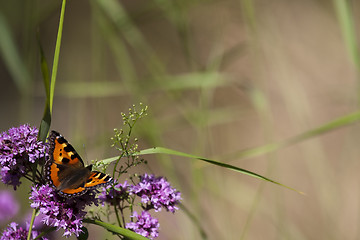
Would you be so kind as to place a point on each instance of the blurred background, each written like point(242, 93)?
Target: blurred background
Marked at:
point(219, 76)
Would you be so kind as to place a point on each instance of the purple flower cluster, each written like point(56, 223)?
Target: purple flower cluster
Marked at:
point(145, 225)
point(156, 192)
point(114, 194)
point(20, 152)
point(14, 232)
point(19, 149)
point(60, 212)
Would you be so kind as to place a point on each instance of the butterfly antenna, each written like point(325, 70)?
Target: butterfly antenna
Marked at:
point(85, 155)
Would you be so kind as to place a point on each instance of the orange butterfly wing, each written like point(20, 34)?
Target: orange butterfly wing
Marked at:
point(65, 169)
point(96, 179)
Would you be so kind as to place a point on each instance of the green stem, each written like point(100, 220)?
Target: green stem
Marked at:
point(52, 86)
point(31, 223)
point(56, 55)
point(116, 230)
point(117, 214)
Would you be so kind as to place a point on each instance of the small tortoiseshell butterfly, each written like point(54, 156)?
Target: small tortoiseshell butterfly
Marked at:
point(66, 172)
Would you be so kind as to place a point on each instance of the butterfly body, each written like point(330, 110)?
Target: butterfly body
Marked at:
point(66, 172)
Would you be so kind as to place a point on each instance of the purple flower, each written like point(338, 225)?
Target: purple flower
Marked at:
point(19, 150)
point(145, 225)
point(156, 193)
point(113, 195)
point(61, 212)
point(14, 232)
point(9, 206)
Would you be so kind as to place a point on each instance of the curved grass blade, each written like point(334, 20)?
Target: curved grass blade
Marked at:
point(42, 234)
point(56, 55)
point(348, 27)
point(45, 123)
point(162, 150)
point(256, 151)
point(195, 220)
point(46, 120)
point(117, 230)
point(12, 58)
point(325, 128)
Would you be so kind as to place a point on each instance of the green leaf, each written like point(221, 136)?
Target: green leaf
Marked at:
point(45, 124)
point(91, 89)
point(44, 233)
point(325, 128)
point(195, 221)
point(46, 120)
point(12, 58)
point(117, 230)
point(348, 28)
point(162, 150)
point(50, 84)
point(56, 56)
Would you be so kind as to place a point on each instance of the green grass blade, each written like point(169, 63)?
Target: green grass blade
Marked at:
point(194, 80)
point(348, 29)
point(12, 58)
point(347, 26)
point(45, 232)
point(96, 89)
point(45, 123)
point(330, 126)
point(120, 18)
point(161, 150)
point(105, 161)
point(327, 127)
point(117, 230)
point(56, 55)
point(50, 84)
point(195, 220)
point(46, 120)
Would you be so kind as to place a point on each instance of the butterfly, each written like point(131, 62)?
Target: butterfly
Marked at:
point(66, 172)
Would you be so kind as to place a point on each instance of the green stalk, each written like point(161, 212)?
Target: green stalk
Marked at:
point(52, 88)
point(31, 223)
point(56, 55)
point(116, 230)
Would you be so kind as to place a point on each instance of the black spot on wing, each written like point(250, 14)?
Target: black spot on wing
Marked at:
point(65, 160)
point(60, 167)
point(69, 148)
point(108, 178)
point(100, 175)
